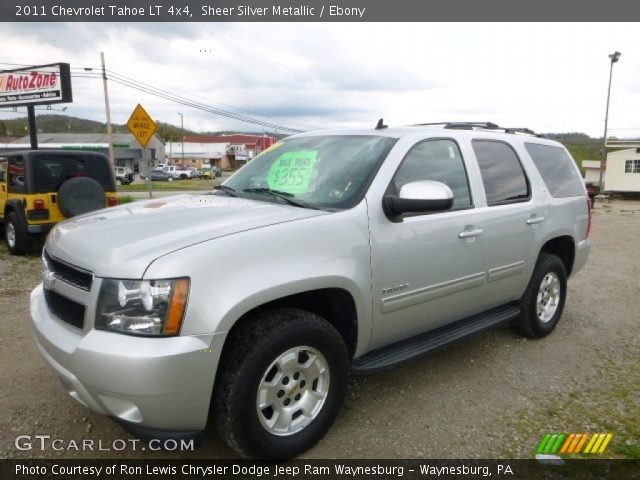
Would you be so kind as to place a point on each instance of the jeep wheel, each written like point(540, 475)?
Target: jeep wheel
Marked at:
point(543, 301)
point(80, 195)
point(283, 377)
point(16, 235)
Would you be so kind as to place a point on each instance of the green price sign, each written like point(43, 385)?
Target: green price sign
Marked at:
point(292, 171)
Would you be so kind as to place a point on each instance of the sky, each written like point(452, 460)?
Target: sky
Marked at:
point(550, 77)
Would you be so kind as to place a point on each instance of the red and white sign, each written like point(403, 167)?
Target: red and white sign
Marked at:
point(42, 84)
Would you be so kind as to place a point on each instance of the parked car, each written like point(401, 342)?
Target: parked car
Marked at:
point(346, 251)
point(124, 175)
point(161, 175)
point(210, 172)
point(39, 188)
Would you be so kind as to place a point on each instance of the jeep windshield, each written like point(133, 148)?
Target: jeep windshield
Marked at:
point(326, 172)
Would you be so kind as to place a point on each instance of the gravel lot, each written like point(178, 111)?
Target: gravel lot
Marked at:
point(493, 396)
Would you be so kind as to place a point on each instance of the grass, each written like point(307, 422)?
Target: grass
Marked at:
point(609, 404)
point(188, 184)
point(122, 199)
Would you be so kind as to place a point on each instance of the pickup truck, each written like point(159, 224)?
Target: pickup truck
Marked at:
point(179, 171)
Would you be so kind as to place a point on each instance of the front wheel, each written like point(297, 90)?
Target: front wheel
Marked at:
point(283, 377)
point(543, 301)
point(170, 179)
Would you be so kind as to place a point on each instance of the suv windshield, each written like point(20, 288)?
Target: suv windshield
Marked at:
point(329, 172)
point(50, 171)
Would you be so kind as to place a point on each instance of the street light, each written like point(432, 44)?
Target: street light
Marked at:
point(615, 56)
point(182, 134)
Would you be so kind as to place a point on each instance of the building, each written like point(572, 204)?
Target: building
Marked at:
point(224, 151)
point(623, 171)
point(128, 152)
point(591, 171)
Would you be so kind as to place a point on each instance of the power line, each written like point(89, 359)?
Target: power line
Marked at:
point(87, 72)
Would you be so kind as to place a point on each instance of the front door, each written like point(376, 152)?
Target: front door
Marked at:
point(428, 269)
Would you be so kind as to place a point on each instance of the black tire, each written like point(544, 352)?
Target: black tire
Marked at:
point(21, 242)
point(248, 354)
point(529, 323)
point(80, 195)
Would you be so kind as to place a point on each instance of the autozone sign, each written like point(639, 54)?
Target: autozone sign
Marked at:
point(40, 84)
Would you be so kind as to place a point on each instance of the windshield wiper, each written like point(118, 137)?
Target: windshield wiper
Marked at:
point(286, 196)
point(228, 190)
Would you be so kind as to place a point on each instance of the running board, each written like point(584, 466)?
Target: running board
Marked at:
point(412, 348)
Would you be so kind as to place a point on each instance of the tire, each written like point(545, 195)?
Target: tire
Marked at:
point(543, 300)
point(304, 344)
point(16, 236)
point(80, 195)
point(183, 176)
point(169, 179)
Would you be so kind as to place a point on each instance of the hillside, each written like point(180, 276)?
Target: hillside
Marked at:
point(17, 127)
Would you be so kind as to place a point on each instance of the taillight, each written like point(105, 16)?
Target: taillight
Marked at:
point(589, 223)
point(38, 204)
point(112, 201)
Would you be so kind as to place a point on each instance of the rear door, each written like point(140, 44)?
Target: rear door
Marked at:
point(514, 220)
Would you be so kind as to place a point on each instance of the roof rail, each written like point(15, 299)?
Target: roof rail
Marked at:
point(481, 126)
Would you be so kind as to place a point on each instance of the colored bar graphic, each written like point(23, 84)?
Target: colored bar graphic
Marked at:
point(572, 443)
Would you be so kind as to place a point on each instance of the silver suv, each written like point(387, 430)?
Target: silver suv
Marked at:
point(331, 253)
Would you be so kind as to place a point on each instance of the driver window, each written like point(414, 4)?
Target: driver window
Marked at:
point(438, 160)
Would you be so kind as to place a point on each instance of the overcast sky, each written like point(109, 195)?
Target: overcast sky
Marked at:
point(548, 77)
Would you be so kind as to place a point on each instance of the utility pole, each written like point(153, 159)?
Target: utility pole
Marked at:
point(106, 106)
point(603, 153)
point(182, 135)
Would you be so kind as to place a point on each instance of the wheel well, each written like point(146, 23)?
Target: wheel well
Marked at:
point(333, 304)
point(562, 247)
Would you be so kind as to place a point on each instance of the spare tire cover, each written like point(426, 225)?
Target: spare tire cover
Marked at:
point(80, 195)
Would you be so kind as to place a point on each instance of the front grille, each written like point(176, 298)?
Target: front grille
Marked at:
point(66, 310)
point(69, 274)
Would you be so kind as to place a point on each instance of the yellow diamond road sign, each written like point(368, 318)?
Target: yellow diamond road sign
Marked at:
point(141, 125)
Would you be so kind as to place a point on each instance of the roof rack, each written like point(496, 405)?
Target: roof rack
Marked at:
point(480, 126)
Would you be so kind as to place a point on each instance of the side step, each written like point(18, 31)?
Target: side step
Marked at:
point(412, 348)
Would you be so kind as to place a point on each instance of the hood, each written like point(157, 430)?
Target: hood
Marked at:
point(123, 241)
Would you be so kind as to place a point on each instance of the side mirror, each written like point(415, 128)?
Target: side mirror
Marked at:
point(418, 197)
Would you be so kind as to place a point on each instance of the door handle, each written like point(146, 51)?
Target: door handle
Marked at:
point(476, 232)
point(534, 220)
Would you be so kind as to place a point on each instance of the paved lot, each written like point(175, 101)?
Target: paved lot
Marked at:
point(493, 396)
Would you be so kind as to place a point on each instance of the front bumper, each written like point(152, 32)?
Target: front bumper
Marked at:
point(157, 383)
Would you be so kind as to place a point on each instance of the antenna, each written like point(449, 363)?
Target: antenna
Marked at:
point(381, 125)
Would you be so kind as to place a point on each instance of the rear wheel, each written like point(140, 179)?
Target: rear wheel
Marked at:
point(543, 301)
point(282, 380)
point(15, 234)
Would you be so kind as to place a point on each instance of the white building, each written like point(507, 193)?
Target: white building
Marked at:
point(591, 171)
point(623, 171)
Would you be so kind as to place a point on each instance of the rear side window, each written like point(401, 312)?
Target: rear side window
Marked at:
point(17, 175)
point(50, 171)
point(557, 170)
point(502, 174)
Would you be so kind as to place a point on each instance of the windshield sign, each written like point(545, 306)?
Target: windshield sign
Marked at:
point(329, 172)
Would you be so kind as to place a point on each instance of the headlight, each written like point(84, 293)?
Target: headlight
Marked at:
point(142, 307)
